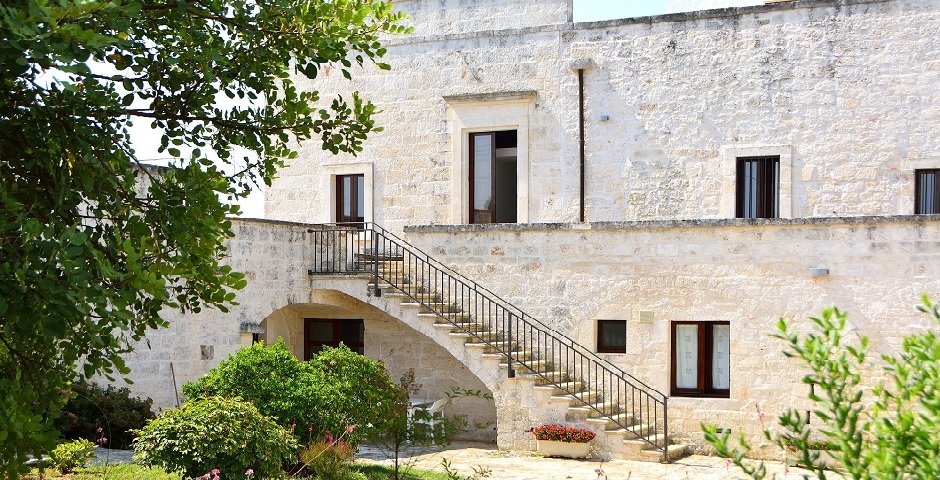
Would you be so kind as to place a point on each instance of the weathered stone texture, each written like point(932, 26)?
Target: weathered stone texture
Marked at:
point(848, 85)
point(749, 273)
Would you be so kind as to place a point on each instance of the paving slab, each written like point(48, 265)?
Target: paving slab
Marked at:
point(515, 465)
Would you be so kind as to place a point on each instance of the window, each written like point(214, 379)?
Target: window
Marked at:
point(611, 336)
point(757, 187)
point(493, 190)
point(926, 194)
point(321, 332)
point(350, 199)
point(701, 359)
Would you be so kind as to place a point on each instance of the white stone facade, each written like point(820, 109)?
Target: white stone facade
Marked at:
point(844, 92)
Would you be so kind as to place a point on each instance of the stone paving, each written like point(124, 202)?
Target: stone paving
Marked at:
point(503, 465)
point(464, 456)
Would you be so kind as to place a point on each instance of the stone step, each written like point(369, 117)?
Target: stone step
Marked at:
point(552, 377)
point(455, 317)
point(519, 355)
point(581, 397)
point(594, 410)
point(675, 452)
point(531, 365)
point(609, 422)
point(633, 432)
point(564, 387)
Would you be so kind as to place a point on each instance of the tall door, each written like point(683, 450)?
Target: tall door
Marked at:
point(493, 196)
point(321, 332)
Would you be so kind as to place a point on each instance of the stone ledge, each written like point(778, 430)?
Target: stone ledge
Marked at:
point(667, 224)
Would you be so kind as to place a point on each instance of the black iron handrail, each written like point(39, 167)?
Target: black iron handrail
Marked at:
point(601, 386)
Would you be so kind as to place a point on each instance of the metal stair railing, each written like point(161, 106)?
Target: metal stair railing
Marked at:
point(623, 399)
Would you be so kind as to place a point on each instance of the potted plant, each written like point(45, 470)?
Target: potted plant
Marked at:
point(559, 441)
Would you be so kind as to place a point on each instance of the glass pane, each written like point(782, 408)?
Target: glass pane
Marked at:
point(928, 202)
point(750, 189)
point(347, 198)
point(775, 189)
point(320, 331)
point(721, 357)
point(352, 332)
point(614, 336)
point(482, 178)
point(360, 197)
point(686, 356)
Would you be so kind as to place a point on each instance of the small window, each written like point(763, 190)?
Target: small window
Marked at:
point(323, 332)
point(926, 195)
point(611, 336)
point(701, 359)
point(350, 199)
point(493, 178)
point(757, 187)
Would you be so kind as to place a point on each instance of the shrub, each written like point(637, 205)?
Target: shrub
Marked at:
point(327, 459)
point(561, 433)
point(337, 389)
point(889, 432)
point(114, 410)
point(215, 433)
point(71, 455)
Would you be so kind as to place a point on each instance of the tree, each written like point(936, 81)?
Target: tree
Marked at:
point(890, 432)
point(87, 257)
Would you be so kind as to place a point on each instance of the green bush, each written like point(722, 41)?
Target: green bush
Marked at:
point(326, 395)
point(328, 459)
point(111, 409)
point(71, 455)
point(215, 433)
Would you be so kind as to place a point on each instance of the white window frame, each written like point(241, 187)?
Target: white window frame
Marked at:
point(488, 113)
point(328, 184)
point(729, 169)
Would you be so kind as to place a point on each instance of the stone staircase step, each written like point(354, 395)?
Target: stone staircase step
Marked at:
point(531, 365)
point(552, 377)
point(581, 397)
point(564, 387)
point(519, 355)
point(456, 317)
point(675, 452)
point(609, 423)
point(586, 409)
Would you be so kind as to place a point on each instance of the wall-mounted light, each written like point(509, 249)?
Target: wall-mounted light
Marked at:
point(819, 272)
point(605, 118)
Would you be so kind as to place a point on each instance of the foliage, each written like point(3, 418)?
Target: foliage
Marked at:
point(113, 410)
point(479, 472)
point(328, 458)
point(70, 455)
point(215, 433)
point(336, 390)
point(89, 260)
point(401, 429)
point(125, 471)
point(375, 471)
point(893, 432)
point(560, 433)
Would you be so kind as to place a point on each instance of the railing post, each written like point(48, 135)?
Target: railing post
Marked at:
point(665, 429)
point(375, 262)
point(511, 371)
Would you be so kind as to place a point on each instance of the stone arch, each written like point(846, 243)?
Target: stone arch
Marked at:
point(401, 347)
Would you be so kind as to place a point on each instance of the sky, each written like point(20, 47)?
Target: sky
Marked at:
point(596, 10)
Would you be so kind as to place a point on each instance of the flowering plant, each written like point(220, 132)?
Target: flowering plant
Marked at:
point(561, 433)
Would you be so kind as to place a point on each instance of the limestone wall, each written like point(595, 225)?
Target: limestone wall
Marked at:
point(845, 90)
point(436, 17)
point(749, 273)
point(276, 256)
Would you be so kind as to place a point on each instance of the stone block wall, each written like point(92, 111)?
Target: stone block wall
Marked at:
point(846, 87)
point(749, 273)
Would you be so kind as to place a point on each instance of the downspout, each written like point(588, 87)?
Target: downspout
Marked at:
point(581, 65)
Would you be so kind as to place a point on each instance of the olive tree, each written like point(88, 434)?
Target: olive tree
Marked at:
point(88, 258)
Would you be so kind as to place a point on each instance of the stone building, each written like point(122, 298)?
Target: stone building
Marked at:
point(624, 207)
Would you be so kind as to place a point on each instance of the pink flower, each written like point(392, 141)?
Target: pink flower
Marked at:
point(251, 472)
point(350, 428)
point(329, 438)
point(293, 426)
point(99, 430)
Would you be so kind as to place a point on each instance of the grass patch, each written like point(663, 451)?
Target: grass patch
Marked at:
point(127, 471)
point(375, 471)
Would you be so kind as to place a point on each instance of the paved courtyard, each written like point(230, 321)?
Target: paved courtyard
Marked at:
point(463, 456)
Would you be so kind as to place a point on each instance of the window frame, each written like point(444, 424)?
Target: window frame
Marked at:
point(337, 324)
point(919, 200)
point(766, 192)
point(703, 362)
point(357, 192)
point(603, 348)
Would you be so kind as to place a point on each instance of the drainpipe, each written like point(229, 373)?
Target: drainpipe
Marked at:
point(581, 65)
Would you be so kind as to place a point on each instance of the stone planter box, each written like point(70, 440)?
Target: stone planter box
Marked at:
point(825, 460)
point(553, 448)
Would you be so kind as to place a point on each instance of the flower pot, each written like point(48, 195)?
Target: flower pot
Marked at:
point(554, 448)
point(825, 459)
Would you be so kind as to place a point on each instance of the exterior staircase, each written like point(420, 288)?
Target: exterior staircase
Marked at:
point(631, 418)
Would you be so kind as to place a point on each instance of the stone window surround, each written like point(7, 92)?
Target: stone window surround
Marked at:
point(328, 184)
point(488, 112)
point(906, 200)
point(729, 162)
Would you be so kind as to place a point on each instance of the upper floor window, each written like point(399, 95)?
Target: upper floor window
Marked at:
point(350, 199)
point(926, 194)
point(757, 187)
point(493, 179)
